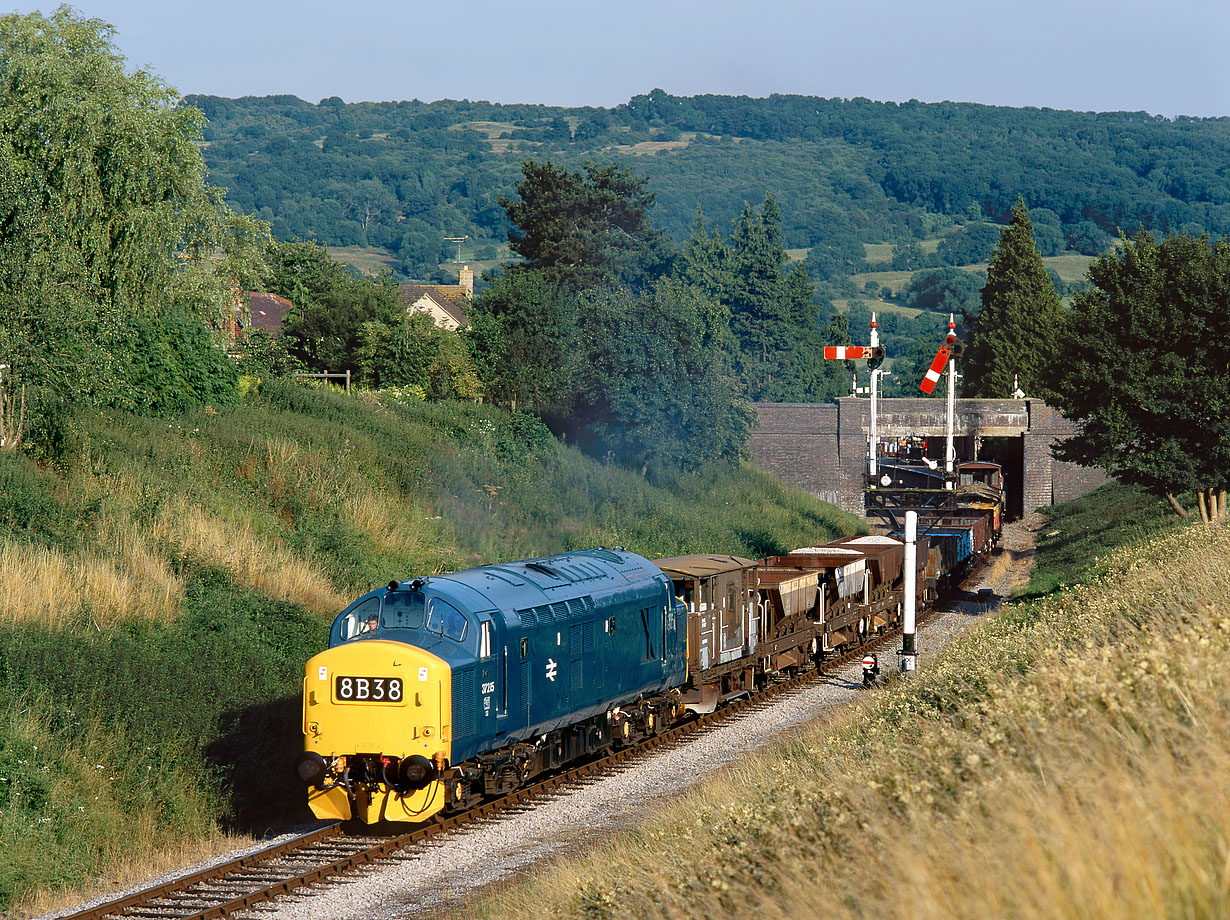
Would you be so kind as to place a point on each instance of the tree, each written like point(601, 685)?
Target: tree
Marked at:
point(419, 354)
point(774, 322)
point(105, 221)
point(759, 314)
point(656, 387)
point(908, 256)
point(324, 329)
point(1021, 326)
point(945, 290)
point(303, 272)
point(523, 337)
point(583, 230)
point(967, 246)
point(1146, 368)
point(1048, 231)
point(1088, 238)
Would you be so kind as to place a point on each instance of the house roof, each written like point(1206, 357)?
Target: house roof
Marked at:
point(267, 311)
point(451, 298)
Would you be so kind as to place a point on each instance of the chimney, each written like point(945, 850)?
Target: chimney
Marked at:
point(466, 281)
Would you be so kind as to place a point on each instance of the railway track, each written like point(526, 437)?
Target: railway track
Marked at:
point(231, 888)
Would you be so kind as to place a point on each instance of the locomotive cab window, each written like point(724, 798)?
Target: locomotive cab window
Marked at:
point(445, 619)
point(364, 618)
point(403, 609)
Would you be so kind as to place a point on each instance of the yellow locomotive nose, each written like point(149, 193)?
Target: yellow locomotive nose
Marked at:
point(377, 731)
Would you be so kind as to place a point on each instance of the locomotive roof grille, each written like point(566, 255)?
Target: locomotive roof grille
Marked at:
point(560, 610)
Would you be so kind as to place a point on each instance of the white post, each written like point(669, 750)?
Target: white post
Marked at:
point(908, 656)
point(871, 438)
point(950, 452)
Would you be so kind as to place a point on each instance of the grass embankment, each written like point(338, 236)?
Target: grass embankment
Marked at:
point(1066, 758)
point(161, 590)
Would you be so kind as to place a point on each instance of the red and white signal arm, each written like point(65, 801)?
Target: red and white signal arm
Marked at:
point(936, 369)
point(847, 352)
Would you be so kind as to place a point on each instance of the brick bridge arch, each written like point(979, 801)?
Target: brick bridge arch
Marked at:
point(821, 448)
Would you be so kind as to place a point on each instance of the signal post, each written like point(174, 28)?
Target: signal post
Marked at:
point(874, 355)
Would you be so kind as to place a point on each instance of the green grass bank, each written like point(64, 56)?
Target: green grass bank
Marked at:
point(163, 583)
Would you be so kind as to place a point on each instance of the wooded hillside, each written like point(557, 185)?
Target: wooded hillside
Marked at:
point(404, 175)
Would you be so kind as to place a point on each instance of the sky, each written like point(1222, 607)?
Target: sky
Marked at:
point(1166, 58)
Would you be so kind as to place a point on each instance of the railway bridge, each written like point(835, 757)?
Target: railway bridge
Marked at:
point(821, 448)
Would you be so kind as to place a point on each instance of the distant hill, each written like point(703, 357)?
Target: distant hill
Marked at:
point(402, 176)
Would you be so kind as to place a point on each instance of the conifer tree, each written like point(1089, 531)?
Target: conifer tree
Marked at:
point(1020, 327)
point(775, 333)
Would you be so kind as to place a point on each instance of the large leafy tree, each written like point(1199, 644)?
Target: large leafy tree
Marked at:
point(523, 336)
point(1146, 367)
point(586, 229)
point(656, 386)
point(419, 355)
point(325, 329)
point(106, 219)
point(945, 290)
point(1021, 325)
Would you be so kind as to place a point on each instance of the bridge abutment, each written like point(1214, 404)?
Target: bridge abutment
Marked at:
point(821, 448)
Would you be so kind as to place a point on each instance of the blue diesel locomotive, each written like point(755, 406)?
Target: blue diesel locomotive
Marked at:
point(436, 692)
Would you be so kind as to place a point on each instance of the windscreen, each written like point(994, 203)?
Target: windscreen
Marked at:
point(403, 609)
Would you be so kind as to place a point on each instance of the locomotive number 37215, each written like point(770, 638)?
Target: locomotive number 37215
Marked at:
point(368, 689)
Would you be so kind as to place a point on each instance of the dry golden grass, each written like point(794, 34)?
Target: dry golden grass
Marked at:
point(385, 521)
point(1068, 761)
point(643, 148)
point(255, 561)
point(878, 306)
point(370, 260)
point(44, 585)
point(493, 129)
point(124, 569)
